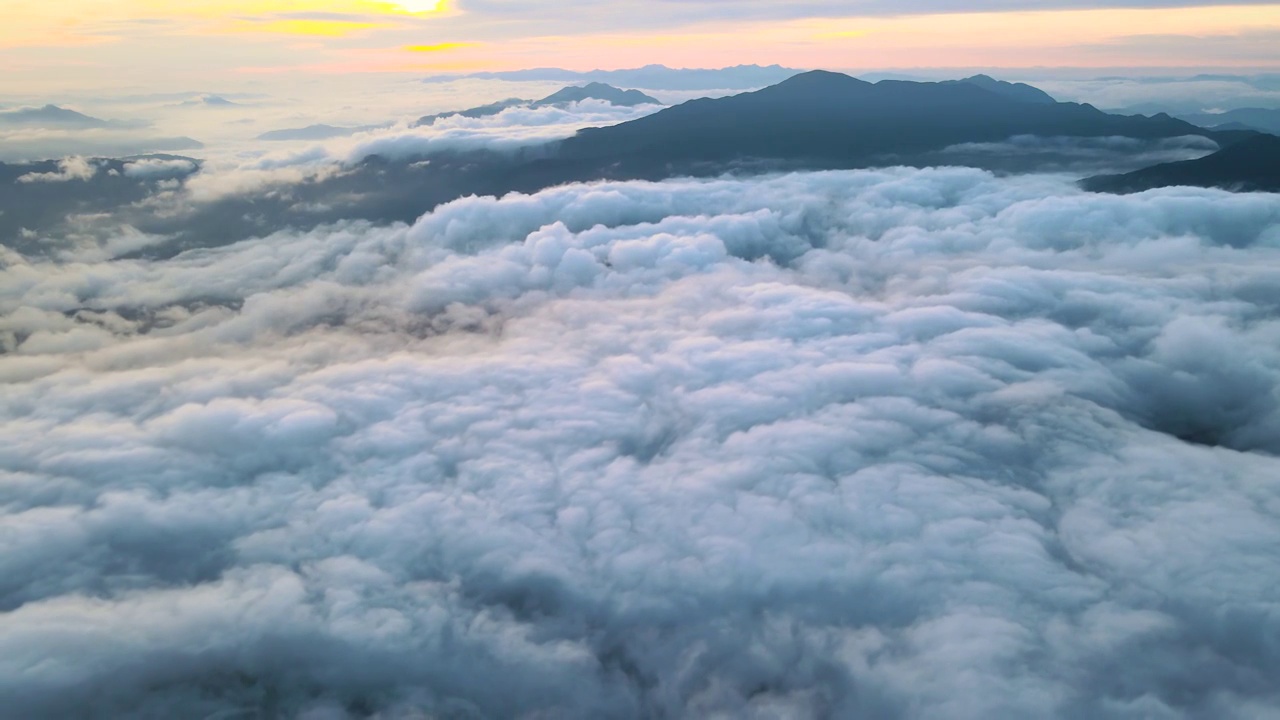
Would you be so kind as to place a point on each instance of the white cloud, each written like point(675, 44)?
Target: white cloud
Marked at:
point(71, 168)
point(1083, 156)
point(894, 443)
point(511, 130)
point(159, 168)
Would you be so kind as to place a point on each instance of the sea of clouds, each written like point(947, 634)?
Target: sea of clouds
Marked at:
point(873, 444)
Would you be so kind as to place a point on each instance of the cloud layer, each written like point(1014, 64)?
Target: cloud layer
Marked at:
point(893, 444)
point(513, 130)
point(70, 168)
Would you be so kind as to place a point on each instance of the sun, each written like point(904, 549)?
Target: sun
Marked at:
point(421, 6)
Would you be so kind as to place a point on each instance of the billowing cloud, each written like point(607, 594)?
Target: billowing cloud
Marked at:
point(71, 168)
point(898, 443)
point(514, 129)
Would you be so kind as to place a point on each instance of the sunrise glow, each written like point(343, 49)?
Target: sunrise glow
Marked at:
point(1098, 36)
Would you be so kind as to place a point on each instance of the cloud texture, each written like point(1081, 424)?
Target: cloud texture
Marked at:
point(513, 130)
point(70, 168)
point(890, 444)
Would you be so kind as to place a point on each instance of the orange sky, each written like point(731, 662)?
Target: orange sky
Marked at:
point(160, 41)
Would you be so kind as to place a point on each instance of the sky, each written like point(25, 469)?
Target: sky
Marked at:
point(157, 45)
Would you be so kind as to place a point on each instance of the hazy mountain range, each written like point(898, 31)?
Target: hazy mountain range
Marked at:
point(650, 77)
point(53, 116)
point(560, 98)
point(316, 132)
point(209, 101)
point(1262, 119)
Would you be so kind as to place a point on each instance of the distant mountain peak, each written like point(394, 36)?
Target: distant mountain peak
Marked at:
point(598, 91)
point(563, 96)
point(51, 115)
point(216, 101)
point(819, 75)
point(835, 81)
point(1021, 92)
point(315, 132)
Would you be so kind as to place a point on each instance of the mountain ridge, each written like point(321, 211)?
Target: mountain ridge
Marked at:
point(650, 77)
point(55, 116)
point(831, 120)
point(562, 97)
point(1252, 165)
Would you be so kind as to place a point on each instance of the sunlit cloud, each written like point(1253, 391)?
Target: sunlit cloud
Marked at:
point(421, 6)
point(229, 38)
point(1094, 37)
point(77, 22)
point(319, 28)
point(438, 47)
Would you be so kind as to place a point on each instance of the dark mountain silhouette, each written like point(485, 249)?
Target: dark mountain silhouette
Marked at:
point(1261, 119)
point(830, 120)
point(1013, 91)
point(1249, 165)
point(564, 96)
point(315, 132)
point(652, 77)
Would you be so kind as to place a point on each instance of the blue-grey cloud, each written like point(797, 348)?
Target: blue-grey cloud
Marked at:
point(892, 444)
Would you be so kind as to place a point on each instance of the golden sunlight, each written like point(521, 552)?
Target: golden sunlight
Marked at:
point(421, 6)
point(438, 47)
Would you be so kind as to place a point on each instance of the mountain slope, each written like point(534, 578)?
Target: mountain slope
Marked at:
point(824, 119)
point(1262, 119)
point(564, 96)
point(63, 118)
point(597, 91)
point(1014, 91)
point(1251, 165)
point(51, 116)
